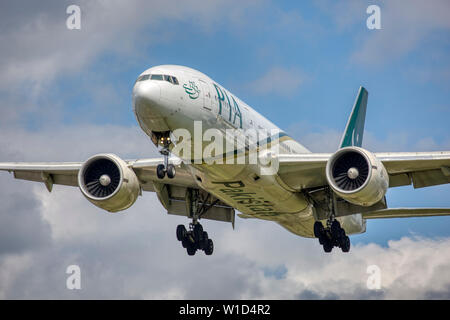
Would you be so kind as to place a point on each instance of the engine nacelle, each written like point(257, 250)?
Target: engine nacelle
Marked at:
point(107, 182)
point(357, 176)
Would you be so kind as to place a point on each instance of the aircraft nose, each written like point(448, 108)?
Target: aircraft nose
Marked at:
point(147, 105)
point(146, 94)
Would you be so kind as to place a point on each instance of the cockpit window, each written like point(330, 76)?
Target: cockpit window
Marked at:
point(143, 77)
point(174, 80)
point(157, 77)
point(170, 79)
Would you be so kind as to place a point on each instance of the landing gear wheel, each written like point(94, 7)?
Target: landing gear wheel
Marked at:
point(335, 229)
point(181, 232)
point(191, 250)
point(205, 240)
point(171, 171)
point(160, 171)
point(198, 233)
point(345, 247)
point(195, 239)
point(327, 246)
point(318, 229)
point(332, 236)
point(209, 247)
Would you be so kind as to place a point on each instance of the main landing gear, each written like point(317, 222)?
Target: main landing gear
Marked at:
point(166, 168)
point(195, 239)
point(331, 236)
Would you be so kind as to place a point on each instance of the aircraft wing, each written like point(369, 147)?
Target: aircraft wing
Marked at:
point(66, 173)
point(171, 192)
point(421, 169)
point(406, 213)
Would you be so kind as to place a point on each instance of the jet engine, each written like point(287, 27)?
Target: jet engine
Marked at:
point(107, 182)
point(357, 176)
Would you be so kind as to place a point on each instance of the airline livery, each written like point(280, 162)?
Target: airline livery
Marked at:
point(220, 155)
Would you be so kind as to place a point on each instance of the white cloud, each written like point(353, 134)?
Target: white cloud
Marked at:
point(40, 47)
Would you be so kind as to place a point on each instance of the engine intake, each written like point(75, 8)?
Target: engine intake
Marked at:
point(350, 171)
point(106, 181)
point(357, 176)
point(101, 178)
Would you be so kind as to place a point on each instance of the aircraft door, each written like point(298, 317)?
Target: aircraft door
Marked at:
point(207, 96)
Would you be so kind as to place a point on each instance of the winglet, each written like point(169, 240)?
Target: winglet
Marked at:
point(353, 134)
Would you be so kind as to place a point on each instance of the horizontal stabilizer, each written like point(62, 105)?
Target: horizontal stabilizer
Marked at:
point(406, 213)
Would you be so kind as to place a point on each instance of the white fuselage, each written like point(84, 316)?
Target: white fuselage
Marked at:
point(176, 98)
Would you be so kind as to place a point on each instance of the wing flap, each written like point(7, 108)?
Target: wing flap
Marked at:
point(428, 178)
point(422, 169)
point(62, 179)
point(406, 213)
point(174, 199)
point(49, 173)
point(403, 162)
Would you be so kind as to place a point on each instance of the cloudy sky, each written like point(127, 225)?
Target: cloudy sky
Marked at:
point(66, 95)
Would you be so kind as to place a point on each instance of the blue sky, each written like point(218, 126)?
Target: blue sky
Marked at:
point(298, 63)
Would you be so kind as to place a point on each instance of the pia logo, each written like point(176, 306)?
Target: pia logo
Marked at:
point(192, 90)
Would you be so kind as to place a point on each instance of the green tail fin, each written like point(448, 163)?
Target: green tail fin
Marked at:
point(354, 130)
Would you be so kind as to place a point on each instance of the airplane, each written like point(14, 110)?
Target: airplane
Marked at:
point(327, 196)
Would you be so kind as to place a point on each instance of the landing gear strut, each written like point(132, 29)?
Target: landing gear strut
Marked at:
point(332, 236)
point(166, 168)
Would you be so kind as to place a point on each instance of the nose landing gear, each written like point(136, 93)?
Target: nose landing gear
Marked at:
point(166, 168)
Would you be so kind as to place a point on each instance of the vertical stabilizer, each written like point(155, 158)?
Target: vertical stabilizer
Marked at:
point(353, 134)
